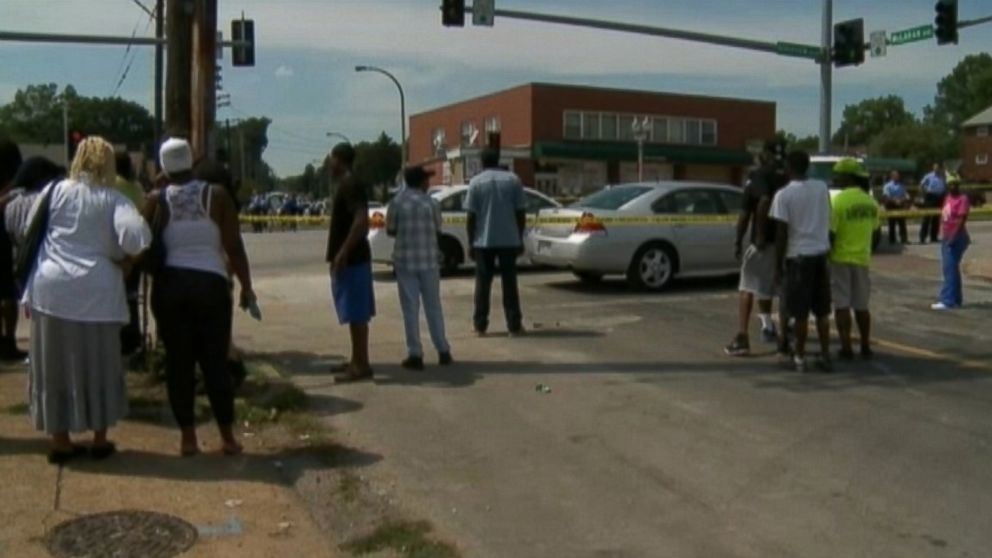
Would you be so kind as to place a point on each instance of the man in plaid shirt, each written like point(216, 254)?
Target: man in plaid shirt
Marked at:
point(414, 220)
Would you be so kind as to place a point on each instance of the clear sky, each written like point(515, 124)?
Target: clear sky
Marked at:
point(307, 49)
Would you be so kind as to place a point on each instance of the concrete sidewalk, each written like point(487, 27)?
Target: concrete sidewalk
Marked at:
point(242, 506)
point(977, 260)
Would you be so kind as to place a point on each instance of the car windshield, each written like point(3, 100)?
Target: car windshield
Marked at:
point(612, 198)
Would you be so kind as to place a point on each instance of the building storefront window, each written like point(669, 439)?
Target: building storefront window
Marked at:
point(493, 125)
point(596, 126)
point(470, 133)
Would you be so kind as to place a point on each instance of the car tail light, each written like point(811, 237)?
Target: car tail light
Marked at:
point(589, 224)
point(377, 221)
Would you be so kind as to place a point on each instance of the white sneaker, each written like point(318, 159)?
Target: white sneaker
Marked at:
point(939, 306)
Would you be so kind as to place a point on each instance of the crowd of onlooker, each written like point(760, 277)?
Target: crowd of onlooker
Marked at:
point(73, 250)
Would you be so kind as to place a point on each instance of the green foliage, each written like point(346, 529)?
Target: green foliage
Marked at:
point(924, 143)
point(258, 175)
point(871, 117)
point(807, 143)
point(409, 539)
point(36, 116)
point(965, 92)
point(378, 163)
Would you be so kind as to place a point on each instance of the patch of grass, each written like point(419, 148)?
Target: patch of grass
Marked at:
point(17, 409)
point(409, 538)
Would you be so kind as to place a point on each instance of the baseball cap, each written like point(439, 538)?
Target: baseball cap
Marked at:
point(953, 178)
point(850, 166)
point(176, 156)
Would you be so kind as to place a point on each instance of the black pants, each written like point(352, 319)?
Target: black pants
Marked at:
point(485, 269)
point(901, 225)
point(807, 287)
point(931, 225)
point(193, 310)
point(131, 333)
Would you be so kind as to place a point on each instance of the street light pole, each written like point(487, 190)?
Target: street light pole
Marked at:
point(402, 104)
point(337, 135)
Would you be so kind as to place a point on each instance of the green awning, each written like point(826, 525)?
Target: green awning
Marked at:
point(879, 164)
point(627, 151)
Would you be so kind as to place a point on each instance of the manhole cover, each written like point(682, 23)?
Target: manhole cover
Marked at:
point(122, 534)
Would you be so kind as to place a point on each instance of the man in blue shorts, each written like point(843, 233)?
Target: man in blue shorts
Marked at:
point(350, 256)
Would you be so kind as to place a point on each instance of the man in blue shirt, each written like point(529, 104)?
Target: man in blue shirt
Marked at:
point(934, 186)
point(896, 198)
point(496, 221)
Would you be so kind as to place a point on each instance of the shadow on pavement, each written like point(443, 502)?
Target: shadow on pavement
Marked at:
point(618, 286)
point(297, 363)
point(885, 371)
point(265, 468)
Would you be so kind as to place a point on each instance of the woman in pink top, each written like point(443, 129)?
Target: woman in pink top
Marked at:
point(954, 232)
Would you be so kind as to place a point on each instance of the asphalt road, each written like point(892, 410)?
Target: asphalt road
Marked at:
point(652, 443)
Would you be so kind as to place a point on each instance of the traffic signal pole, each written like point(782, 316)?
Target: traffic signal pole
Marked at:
point(826, 77)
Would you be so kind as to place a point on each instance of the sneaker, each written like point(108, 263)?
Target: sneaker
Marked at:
point(413, 363)
point(740, 347)
point(444, 359)
point(845, 354)
point(769, 335)
point(799, 364)
point(940, 306)
point(867, 353)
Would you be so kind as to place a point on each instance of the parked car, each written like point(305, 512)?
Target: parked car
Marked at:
point(454, 236)
point(650, 255)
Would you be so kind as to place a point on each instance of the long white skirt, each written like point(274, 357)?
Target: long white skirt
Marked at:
point(77, 379)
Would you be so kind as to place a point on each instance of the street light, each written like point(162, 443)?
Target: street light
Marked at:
point(337, 135)
point(642, 131)
point(402, 103)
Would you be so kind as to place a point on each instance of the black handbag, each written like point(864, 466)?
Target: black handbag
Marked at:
point(35, 235)
point(153, 260)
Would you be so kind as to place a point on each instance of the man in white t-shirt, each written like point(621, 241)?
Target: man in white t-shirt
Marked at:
point(802, 242)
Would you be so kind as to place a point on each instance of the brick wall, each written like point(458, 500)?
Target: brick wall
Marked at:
point(975, 146)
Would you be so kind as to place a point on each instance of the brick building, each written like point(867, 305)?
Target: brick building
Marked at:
point(976, 158)
point(568, 140)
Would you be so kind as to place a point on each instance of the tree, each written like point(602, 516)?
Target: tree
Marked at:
point(378, 163)
point(869, 118)
point(250, 138)
point(965, 92)
point(36, 116)
point(923, 143)
point(808, 143)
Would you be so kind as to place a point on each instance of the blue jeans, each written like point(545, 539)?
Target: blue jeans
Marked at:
point(951, 254)
point(415, 286)
point(486, 260)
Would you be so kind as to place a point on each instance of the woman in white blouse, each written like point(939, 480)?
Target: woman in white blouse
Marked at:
point(78, 305)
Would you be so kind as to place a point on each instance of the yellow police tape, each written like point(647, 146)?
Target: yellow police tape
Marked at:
point(909, 214)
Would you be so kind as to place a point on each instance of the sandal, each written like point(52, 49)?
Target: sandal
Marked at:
point(104, 451)
point(61, 457)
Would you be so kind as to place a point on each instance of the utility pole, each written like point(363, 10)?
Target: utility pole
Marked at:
point(826, 76)
point(203, 110)
point(178, 90)
point(159, 73)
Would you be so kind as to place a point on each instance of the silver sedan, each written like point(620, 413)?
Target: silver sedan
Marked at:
point(615, 232)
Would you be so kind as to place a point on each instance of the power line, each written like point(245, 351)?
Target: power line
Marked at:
point(127, 69)
point(142, 6)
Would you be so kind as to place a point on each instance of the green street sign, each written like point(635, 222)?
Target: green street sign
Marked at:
point(798, 50)
point(921, 33)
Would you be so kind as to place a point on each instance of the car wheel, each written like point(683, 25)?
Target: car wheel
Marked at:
point(588, 277)
point(653, 267)
point(451, 256)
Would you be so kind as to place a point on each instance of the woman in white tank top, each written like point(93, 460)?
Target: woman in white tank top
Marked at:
point(191, 297)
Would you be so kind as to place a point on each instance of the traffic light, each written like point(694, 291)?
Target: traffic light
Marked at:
point(849, 43)
point(947, 22)
point(453, 13)
point(243, 30)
